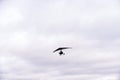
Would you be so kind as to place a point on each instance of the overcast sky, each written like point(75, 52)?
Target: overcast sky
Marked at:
point(31, 29)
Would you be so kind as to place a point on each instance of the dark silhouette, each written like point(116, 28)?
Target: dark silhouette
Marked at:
point(61, 53)
point(60, 49)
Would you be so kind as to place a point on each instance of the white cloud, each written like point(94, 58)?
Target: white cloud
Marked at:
point(10, 16)
point(31, 30)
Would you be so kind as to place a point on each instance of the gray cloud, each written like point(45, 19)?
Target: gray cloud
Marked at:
point(31, 30)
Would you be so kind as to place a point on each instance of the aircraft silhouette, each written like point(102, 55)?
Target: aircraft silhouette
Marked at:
point(60, 49)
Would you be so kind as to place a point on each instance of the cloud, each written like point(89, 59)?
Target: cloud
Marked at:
point(31, 30)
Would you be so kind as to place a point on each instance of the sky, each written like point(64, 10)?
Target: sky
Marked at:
point(30, 30)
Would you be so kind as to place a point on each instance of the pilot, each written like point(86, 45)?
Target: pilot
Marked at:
point(61, 53)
